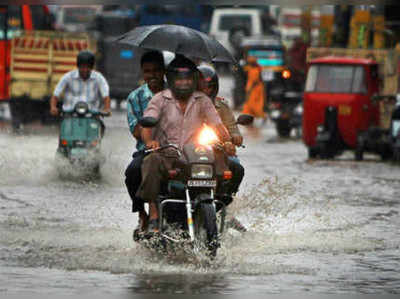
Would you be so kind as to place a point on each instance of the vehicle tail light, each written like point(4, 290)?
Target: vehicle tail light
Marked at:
point(286, 74)
point(227, 175)
point(274, 105)
point(172, 173)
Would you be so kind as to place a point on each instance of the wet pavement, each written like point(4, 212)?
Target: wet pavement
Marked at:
point(317, 226)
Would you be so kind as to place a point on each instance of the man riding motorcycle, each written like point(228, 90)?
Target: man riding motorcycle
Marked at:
point(82, 85)
point(181, 111)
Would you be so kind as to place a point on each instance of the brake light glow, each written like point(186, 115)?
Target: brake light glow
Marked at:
point(227, 175)
point(286, 74)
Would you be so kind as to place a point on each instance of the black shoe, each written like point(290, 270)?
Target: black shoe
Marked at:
point(137, 235)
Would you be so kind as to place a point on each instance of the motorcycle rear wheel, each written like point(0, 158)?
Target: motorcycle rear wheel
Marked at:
point(283, 128)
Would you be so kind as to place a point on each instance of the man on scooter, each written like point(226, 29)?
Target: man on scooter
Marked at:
point(180, 111)
point(153, 70)
point(82, 84)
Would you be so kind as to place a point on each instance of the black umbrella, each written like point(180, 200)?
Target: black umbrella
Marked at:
point(177, 39)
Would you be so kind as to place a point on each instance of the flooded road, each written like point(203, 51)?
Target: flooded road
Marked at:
point(318, 226)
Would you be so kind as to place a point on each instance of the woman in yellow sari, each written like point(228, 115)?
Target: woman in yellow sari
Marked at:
point(255, 90)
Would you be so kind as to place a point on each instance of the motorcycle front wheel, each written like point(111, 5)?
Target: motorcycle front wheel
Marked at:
point(205, 227)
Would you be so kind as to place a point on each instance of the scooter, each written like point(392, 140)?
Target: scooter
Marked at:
point(192, 204)
point(80, 141)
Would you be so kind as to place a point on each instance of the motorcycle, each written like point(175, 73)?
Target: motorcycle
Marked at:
point(286, 111)
point(192, 202)
point(79, 141)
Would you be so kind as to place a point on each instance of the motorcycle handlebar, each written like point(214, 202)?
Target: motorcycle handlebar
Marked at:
point(218, 145)
point(99, 113)
point(163, 147)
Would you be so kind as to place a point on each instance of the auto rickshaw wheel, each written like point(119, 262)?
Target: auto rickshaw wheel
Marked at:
point(312, 153)
point(396, 155)
point(359, 153)
point(385, 155)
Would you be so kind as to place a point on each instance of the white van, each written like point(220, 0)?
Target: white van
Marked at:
point(225, 19)
point(76, 18)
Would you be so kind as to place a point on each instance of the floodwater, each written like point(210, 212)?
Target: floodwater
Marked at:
point(313, 226)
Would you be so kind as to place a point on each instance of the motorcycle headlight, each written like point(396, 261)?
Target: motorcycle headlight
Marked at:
point(275, 114)
point(299, 109)
point(202, 171)
point(207, 136)
point(81, 108)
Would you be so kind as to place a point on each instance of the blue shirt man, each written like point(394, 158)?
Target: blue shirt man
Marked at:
point(136, 103)
point(153, 70)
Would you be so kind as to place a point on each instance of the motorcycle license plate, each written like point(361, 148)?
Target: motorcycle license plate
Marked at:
point(267, 75)
point(79, 152)
point(202, 183)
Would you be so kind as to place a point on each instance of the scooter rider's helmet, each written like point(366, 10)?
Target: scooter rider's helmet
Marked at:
point(85, 57)
point(209, 78)
point(180, 68)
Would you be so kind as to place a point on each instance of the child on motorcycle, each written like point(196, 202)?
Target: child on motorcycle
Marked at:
point(209, 84)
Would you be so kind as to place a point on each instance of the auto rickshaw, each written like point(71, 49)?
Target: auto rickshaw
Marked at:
point(341, 109)
point(283, 93)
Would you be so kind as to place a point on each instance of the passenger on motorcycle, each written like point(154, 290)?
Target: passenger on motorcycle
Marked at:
point(82, 85)
point(181, 111)
point(209, 84)
point(153, 70)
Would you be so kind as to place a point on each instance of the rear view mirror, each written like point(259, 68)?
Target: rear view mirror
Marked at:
point(148, 122)
point(245, 119)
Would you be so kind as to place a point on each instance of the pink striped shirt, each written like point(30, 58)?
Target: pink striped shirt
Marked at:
point(175, 126)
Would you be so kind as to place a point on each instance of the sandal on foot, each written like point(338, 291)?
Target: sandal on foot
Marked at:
point(153, 226)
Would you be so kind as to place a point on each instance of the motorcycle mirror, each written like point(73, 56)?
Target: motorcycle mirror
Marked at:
point(148, 122)
point(245, 119)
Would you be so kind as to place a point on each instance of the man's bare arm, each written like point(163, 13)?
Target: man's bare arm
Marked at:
point(53, 105)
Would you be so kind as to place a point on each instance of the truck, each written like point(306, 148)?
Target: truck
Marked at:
point(38, 59)
point(13, 19)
